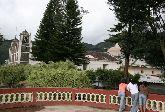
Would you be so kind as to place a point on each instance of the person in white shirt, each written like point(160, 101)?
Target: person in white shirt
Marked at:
point(133, 88)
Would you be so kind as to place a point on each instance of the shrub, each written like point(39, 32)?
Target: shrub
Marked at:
point(110, 78)
point(60, 74)
point(162, 76)
point(135, 77)
point(11, 75)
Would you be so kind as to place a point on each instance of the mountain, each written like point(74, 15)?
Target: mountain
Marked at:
point(100, 47)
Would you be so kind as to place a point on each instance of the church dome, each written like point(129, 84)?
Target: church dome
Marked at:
point(115, 51)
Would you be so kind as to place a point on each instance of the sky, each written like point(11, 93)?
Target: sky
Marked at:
point(18, 15)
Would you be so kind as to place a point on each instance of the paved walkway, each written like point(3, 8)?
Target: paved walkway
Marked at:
point(57, 109)
point(72, 109)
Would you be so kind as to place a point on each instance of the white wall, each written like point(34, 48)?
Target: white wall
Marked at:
point(146, 71)
point(94, 65)
point(149, 78)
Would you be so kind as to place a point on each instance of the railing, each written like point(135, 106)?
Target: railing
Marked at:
point(108, 99)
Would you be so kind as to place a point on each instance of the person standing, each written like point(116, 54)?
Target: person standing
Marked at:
point(133, 88)
point(143, 94)
point(121, 94)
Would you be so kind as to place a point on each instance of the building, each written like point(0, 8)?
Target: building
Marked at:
point(115, 51)
point(101, 60)
point(20, 50)
point(113, 59)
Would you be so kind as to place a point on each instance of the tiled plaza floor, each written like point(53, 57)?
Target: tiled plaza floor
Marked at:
point(73, 109)
point(58, 109)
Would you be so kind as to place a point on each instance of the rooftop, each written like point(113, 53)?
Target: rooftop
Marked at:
point(100, 56)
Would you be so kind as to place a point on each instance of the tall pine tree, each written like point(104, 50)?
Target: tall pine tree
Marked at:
point(129, 27)
point(59, 34)
point(75, 49)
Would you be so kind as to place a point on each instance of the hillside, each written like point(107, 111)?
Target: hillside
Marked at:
point(100, 47)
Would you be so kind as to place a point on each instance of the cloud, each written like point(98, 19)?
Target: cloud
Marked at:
point(98, 21)
point(17, 15)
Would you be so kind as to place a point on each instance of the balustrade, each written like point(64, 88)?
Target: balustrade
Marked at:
point(15, 98)
point(10, 98)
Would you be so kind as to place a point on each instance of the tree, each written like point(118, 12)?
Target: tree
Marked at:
point(109, 78)
point(149, 15)
point(74, 49)
point(157, 22)
point(155, 53)
point(152, 48)
point(1, 38)
point(130, 23)
point(59, 34)
point(4, 51)
point(11, 75)
point(46, 47)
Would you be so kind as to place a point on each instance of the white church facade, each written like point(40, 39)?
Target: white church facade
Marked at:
point(20, 50)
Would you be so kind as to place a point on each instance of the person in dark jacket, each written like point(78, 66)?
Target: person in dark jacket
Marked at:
point(143, 94)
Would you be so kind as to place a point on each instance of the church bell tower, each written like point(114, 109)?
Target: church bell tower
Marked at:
point(25, 40)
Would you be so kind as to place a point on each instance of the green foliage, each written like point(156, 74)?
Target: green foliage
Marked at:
point(152, 48)
point(100, 47)
point(110, 78)
point(12, 74)
point(1, 38)
point(46, 47)
point(4, 51)
point(91, 75)
point(163, 77)
point(59, 74)
point(142, 18)
point(59, 35)
point(130, 26)
point(135, 78)
point(89, 47)
point(74, 49)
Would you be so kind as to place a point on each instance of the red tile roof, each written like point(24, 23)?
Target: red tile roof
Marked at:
point(101, 56)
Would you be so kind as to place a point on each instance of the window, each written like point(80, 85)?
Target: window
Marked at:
point(152, 72)
point(104, 66)
point(15, 57)
point(142, 71)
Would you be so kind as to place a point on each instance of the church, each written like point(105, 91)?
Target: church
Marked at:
point(20, 50)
